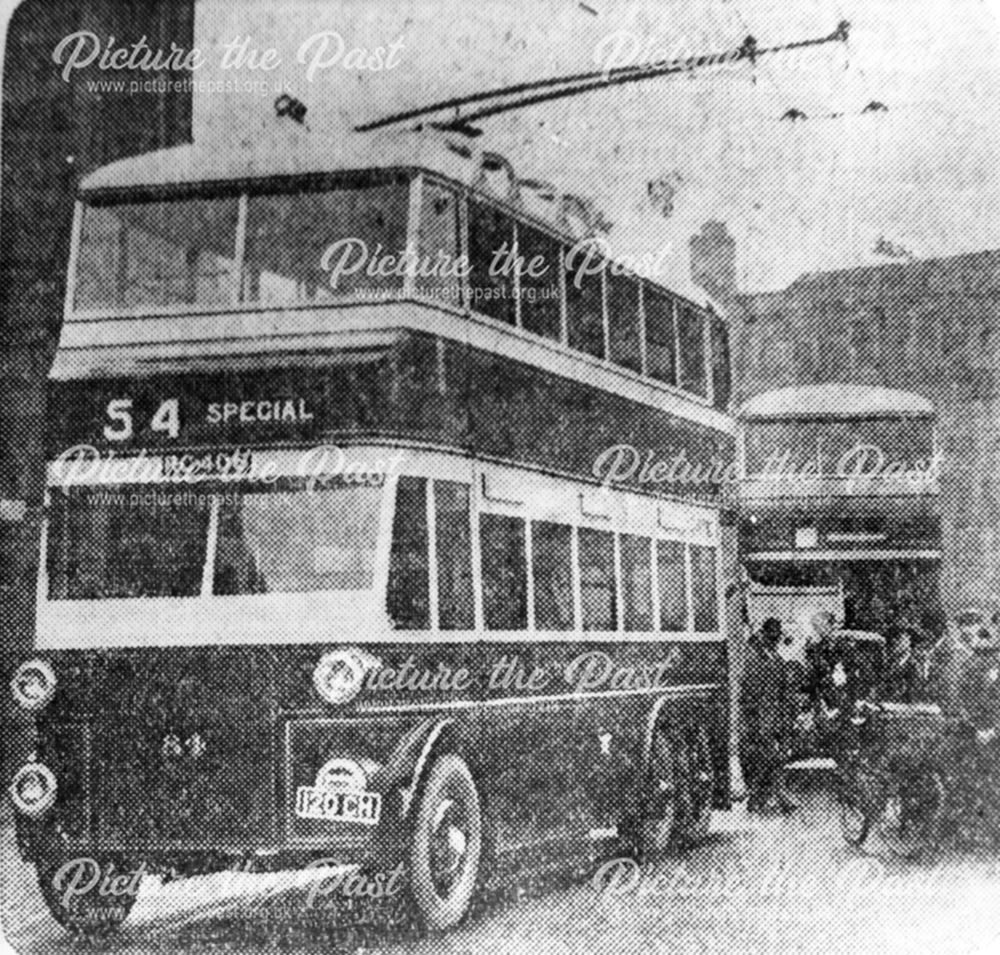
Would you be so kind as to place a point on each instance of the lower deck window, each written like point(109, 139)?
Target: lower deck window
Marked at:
point(703, 585)
point(637, 582)
point(505, 572)
point(453, 531)
point(552, 567)
point(149, 541)
point(673, 585)
point(407, 600)
point(598, 592)
point(114, 542)
point(290, 541)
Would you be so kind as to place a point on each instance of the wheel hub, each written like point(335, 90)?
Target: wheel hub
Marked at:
point(449, 844)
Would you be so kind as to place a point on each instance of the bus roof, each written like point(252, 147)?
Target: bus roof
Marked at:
point(281, 148)
point(835, 400)
point(287, 150)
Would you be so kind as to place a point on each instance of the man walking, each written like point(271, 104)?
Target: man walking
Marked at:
point(767, 712)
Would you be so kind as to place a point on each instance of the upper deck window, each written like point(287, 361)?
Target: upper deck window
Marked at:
point(661, 340)
point(623, 321)
point(837, 447)
point(441, 262)
point(585, 305)
point(320, 239)
point(691, 339)
point(491, 247)
point(541, 311)
point(307, 246)
point(141, 254)
point(721, 383)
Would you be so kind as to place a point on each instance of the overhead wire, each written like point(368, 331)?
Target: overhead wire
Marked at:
point(552, 88)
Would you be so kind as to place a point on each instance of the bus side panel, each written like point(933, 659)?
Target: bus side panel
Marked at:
point(570, 720)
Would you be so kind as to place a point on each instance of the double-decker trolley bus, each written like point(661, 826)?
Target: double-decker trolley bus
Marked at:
point(839, 497)
point(325, 570)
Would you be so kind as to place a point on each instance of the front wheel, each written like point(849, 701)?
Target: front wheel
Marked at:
point(88, 897)
point(447, 844)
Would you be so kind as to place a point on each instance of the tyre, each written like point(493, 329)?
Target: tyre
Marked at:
point(446, 844)
point(909, 818)
point(657, 825)
point(89, 914)
point(698, 788)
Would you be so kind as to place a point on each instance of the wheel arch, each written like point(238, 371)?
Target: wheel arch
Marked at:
point(685, 715)
point(432, 738)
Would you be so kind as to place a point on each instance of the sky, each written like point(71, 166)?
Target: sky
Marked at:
point(798, 196)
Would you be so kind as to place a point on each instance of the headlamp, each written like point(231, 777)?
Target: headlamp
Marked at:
point(33, 684)
point(33, 789)
point(340, 674)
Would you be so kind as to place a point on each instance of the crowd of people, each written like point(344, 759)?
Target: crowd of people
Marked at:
point(781, 701)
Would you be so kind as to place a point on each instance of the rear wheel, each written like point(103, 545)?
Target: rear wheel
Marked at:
point(447, 843)
point(658, 822)
point(698, 788)
point(87, 896)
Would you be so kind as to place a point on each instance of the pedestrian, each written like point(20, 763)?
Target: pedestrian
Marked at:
point(838, 676)
point(978, 697)
point(767, 714)
point(948, 657)
point(903, 681)
point(976, 719)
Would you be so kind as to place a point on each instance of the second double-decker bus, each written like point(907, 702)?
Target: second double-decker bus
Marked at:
point(326, 573)
point(839, 497)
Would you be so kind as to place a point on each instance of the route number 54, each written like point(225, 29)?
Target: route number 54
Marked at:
point(121, 428)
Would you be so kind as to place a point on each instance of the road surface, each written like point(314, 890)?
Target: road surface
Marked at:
point(757, 885)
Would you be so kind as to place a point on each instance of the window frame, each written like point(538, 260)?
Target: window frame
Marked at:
point(206, 590)
point(645, 286)
point(414, 179)
point(680, 527)
point(516, 492)
point(243, 190)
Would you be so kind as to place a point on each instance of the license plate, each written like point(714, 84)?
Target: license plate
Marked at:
point(311, 802)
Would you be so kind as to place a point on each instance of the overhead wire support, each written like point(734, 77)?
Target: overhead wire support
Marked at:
point(541, 91)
